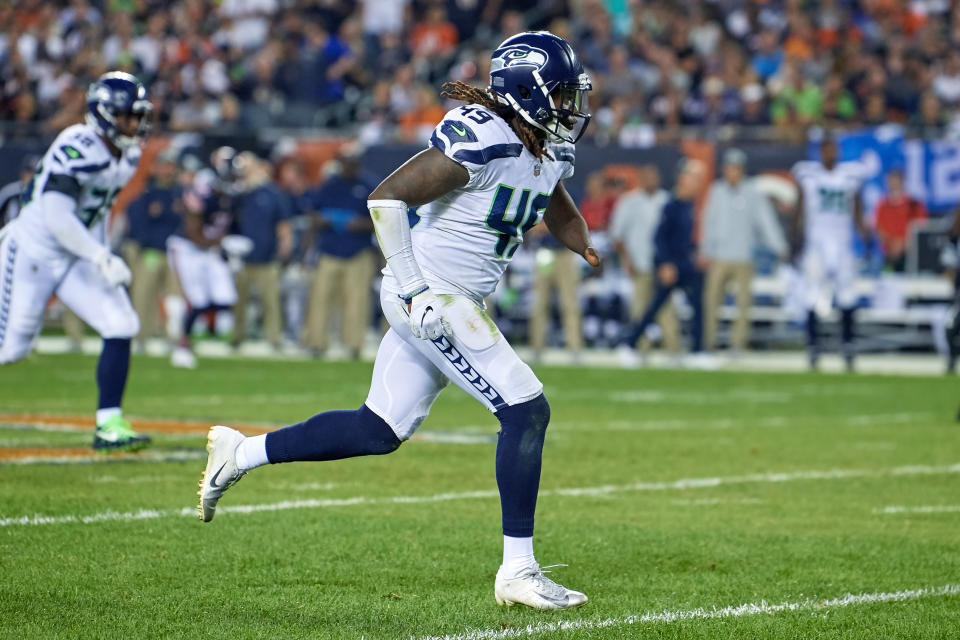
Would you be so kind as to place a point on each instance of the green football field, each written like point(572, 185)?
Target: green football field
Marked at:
point(685, 504)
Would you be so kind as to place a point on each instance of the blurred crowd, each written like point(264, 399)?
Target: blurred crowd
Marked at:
point(278, 258)
point(657, 66)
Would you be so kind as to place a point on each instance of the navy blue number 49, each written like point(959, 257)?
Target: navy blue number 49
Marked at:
point(513, 222)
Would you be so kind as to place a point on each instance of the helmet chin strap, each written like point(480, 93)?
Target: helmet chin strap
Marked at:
point(526, 118)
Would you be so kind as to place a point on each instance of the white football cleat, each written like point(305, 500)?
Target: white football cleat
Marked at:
point(183, 358)
point(221, 472)
point(530, 587)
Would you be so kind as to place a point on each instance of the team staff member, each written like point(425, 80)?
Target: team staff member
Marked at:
point(675, 257)
point(737, 219)
point(343, 235)
point(153, 218)
point(636, 217)
point(264, 217)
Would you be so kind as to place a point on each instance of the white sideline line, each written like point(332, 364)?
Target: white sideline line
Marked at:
point(732, 611)
point(143, 456)
point(604, 490)
point(933, 508)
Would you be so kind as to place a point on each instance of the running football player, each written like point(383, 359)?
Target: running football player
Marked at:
point(57, 245)
point(829, 209)
point(492, 170)
point(195, 252)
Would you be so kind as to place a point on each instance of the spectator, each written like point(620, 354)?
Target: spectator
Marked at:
point(895, 214)
point(152, 218)
point(930, 123)
point(434, 37)
point(343, 234)
point(737, 220)
point(766, 62)
point(798, 103)
point(632, 227)
point(677, 264)
point(263, 213)
point(754, 111)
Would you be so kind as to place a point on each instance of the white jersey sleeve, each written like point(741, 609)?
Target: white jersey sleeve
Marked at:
point(80, 166)
point(473, 137)
point(565, 154)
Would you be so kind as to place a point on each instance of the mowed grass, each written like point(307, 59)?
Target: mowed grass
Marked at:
point(639, 542)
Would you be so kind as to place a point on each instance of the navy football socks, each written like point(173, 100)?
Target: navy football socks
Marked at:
point(333, 435)
point(112, 369)
point(519, 453)
point(846, 326)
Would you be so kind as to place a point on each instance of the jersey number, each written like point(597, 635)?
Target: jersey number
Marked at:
point(103, 200)
point(512, 225)
point(476, 115)
point(833, 200)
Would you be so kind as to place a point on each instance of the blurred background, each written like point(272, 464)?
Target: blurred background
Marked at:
point(316, 101)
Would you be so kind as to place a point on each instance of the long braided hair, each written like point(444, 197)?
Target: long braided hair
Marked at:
point(531, 137)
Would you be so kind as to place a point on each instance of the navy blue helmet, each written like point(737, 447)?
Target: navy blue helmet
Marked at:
point(113, 94)
point(539, 75)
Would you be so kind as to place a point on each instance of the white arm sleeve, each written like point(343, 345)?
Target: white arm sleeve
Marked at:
point(59, 216)
point(393, 232)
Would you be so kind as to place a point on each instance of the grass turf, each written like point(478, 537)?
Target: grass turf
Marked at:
point(387, 568)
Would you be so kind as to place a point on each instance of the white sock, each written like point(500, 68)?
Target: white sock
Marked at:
point(517, 556)
point(252, 453)
point(105, 414)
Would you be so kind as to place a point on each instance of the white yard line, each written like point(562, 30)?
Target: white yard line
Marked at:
point(777, 421)
point(93, 458)
point(712, 613)
point(931, 508)
point(599, 491)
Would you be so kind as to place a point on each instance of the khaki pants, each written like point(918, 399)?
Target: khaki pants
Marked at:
point(564, 276)
point(346, 281)
point(719, 275)
point(666, 318)
point(265, 278)
point(151, 283)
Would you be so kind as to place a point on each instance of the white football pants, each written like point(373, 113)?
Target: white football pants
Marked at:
point(409, 372)
point(27, 282)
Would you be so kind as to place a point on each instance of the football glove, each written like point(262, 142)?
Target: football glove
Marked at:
point(113, 268)
point(426, 319)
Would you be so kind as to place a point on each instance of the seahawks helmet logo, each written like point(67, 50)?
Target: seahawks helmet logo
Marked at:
point(520, 55)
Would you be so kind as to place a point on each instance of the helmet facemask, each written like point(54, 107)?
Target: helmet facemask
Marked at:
point(105, 118)
point(567, 118)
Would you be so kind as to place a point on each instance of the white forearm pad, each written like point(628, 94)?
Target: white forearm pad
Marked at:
point(60, 218)
point(393, 232)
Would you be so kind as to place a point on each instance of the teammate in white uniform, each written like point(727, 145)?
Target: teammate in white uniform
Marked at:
point(494, 168)
point(57, 244)
point(829, 210)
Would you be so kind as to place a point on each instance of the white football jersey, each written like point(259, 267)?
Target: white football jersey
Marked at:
point(79, 164)
point(465, 239)
point(828, 199)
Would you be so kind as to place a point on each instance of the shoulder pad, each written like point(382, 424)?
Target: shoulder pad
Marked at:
point(473, 135)
point(78, 150)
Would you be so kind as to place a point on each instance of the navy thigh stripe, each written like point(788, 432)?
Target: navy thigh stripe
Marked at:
point(6, 288)
point(469, 373)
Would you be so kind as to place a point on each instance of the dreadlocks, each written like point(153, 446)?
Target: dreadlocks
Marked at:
point(531, 137)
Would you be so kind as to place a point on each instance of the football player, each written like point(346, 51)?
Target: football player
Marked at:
point(195, 252)
point(493, 169)
point(829, 209)
point(57, 245)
